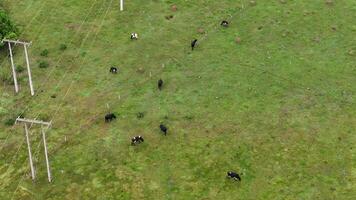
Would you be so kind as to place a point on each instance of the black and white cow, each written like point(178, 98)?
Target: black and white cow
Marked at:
point(163, 128)
point(193, 43)
point(137, 140)
point(224, 23)
point(134, 36)
point(160, 84)
point(109, 117)
point(113, 70)
point(234, 175)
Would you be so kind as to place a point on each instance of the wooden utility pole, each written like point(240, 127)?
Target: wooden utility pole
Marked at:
point(29, 71)
point(46, 154)
point(47, 124)
point(25, 44)
point(13, 68)
point(29, 152)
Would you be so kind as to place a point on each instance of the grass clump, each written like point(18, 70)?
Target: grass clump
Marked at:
point(44, 117)
point(44, 53)
point(140, 115)
point(43, 64)
point(9, 121)
point(20, 69)
point(63, 47)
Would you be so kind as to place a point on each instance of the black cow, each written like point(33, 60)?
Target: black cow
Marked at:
point(113, 70)
point(137, 140)
point(234, 175)
point(163, 128)
point(224, 23)
point(109, 117)
point(194, 43)
point(160, 84)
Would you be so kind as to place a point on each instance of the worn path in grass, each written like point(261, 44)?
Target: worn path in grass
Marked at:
point(278, 107)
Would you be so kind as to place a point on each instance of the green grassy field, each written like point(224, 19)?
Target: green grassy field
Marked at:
point(278, 107)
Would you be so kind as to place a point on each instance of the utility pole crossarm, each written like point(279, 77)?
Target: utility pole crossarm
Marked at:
point(31, 121)
point(16, 42)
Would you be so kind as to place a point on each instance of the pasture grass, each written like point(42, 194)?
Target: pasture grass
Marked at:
point(278, 107)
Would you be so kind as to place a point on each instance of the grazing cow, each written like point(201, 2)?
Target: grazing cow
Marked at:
point(160, 84)
point(109, 117)
point(113, 70)
point(234, 176)
point(194, 43)
point(137, 140)
point(163, 129)
point(134, 36)
point(224, 23)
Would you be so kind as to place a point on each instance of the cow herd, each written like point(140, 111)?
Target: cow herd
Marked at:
point(139, 139)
